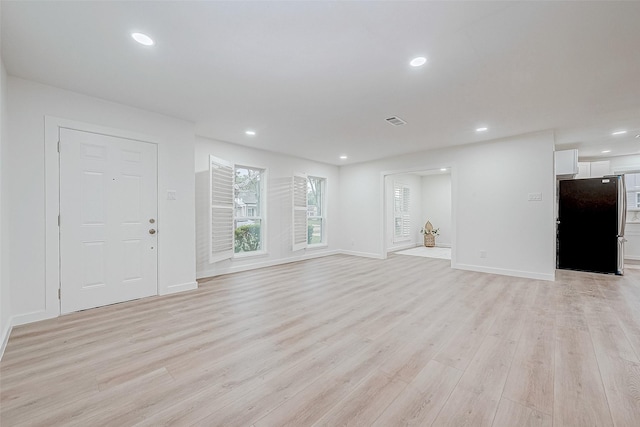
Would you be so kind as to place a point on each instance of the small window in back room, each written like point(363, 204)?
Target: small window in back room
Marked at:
point(632, 184)
point(401, 213)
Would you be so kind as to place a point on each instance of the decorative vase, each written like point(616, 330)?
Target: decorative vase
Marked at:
point(429, 238)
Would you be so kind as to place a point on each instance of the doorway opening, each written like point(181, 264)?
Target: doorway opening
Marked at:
point(418, 213)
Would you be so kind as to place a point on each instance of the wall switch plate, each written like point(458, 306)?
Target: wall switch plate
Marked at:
point(535, 197)
point(171, 194)
point(483, 254)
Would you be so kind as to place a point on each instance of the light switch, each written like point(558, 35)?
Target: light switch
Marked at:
point(171, 194)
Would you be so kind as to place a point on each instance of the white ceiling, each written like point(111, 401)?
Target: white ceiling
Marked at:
point(317, 79)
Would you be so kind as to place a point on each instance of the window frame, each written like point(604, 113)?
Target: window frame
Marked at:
point(262, 209)
point(402, 189)
point(633, 213)
point(636, 191)
point(323, 213)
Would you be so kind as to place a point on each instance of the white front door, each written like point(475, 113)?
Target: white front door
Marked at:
point(108, 220)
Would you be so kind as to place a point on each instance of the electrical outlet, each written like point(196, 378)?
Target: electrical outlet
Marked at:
point(171, 194)
point(483, 254)
point(535, 197)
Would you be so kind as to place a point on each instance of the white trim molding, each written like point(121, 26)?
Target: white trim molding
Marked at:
point(396, 248)
point(180, 287)
point(364, 254)
point(5, 336)
point(505, 272)
point(246, 267)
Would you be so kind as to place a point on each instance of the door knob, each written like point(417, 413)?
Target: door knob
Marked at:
point(152, 231)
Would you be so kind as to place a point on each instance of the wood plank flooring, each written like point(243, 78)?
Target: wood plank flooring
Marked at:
point(340, 340)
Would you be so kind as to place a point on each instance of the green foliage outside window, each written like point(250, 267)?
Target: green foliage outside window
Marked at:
point(247, 238)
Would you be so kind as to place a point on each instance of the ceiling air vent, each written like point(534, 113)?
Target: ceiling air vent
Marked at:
point(396, 121)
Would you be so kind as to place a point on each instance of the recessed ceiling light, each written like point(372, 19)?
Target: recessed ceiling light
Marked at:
point(343, 157)
point(482, 129)
point(443, 169)
point(250, 132)
point(143, 39)
point(620, 132)
point(606, 151)
point(418, 61)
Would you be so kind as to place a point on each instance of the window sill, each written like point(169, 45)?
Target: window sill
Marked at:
point(243, 255)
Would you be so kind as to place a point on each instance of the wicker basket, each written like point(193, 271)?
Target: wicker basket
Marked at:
point(429, 240)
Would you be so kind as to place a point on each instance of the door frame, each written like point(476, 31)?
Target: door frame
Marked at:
point(52, 126)
point(453, 169)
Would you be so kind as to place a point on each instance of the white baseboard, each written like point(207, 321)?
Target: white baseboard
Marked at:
point(632, 257)
point(402, 247)
point(505, 272)
point(363, 254)
point(245, 267)
point(35, 316)
point(180, 287)
point(5, 336)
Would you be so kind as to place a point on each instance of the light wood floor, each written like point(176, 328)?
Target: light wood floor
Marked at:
point(340, 341)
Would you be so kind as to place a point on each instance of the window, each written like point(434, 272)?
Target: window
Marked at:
point(237, 209)
point(248, 210)
point(315, 210)
point(632, 184)
point(401, 217)
point(308, 211)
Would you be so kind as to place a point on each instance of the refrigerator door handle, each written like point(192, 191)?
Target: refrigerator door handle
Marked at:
point(622, 219)
point(622, 205)
point(620, 267)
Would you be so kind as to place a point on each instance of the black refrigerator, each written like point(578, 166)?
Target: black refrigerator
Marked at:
point(591, 218)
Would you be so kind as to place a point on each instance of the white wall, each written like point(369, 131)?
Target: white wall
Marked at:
point(436, 205)
point(415, 205)
point(28, 104)
point(5, 292)
point(280, 169)
point(490, 184)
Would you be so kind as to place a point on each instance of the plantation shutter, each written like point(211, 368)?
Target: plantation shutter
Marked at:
point(299, 212)
point(221, 210)
point(401, 214)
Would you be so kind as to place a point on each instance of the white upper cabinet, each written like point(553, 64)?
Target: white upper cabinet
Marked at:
point(566, 162)
point(599, 169)
point(594, 169)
